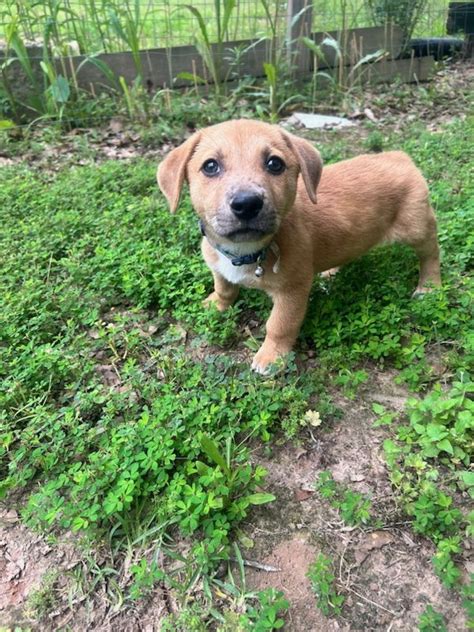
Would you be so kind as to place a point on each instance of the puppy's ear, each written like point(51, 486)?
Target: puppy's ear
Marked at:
point(309, 160)
point(172, 171)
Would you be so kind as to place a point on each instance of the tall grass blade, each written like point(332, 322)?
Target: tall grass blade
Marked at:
point(202, 25)
point(334, 44)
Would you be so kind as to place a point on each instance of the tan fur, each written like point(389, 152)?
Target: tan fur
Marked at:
point(361, 202)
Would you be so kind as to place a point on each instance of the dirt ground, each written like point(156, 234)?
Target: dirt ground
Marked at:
point(385, 573)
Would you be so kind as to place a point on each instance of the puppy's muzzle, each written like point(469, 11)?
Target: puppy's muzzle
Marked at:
point(246, 205)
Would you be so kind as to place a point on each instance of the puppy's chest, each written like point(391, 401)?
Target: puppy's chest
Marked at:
point(238, 275)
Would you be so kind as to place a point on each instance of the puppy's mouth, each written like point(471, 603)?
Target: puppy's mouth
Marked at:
point(246, 233)
point(255, 229)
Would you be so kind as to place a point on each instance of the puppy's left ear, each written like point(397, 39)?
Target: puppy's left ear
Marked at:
point(309, 160)
point(172, 171)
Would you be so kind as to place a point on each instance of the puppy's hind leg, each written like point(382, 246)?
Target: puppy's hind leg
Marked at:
point(430, 274)
point(427, 249)
point(416, 227)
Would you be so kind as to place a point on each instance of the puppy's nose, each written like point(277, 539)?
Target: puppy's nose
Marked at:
point(246, 205)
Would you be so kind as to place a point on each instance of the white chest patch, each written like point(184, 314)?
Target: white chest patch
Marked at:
point(238, 275)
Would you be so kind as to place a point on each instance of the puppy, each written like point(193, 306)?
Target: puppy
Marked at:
point(254, 188)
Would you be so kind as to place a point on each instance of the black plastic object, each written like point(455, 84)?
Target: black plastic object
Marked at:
point(439, 47)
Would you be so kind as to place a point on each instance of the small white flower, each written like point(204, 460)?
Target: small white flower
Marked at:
point(312, 418)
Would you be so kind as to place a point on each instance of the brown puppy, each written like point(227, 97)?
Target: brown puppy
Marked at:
point(264, 228)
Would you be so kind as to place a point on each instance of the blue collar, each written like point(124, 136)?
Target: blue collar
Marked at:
point(242, 260)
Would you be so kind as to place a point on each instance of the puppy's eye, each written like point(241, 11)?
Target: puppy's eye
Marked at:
point(275, 165)
point(211, 167)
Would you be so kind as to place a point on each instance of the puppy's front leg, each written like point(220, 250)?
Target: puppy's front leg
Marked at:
point(224, 293)
point(283, 327)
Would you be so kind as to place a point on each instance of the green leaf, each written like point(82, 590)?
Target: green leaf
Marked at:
point(6, 124)
point(201, 22)
point(445, 445)
point(334, 44)
point(260, 498)
point(435, 432)
point(60, 89)
point(378, 408)
point(202, 468)
point(229, 6)
point(467, 478)
point(210, 448)
point(311, 44)
point(270, 72)
point(189, 76)
point(369, 57)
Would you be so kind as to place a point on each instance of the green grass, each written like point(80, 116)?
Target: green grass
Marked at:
point(160, 24)
point(123, 405)
point(168, 23)
point(330, 16)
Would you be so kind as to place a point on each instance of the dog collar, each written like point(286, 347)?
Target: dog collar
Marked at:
point(241, 260)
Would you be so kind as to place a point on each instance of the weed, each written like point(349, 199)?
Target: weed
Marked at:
point(441, 423)
point(45, 599)
point(266, 613)
point(213, 55)
point(443, 563)
point(431, 621)
point(354, 507)
point(322, 579)
point(375, 141)
point(350, 381)
point(440, 427)
point(190, 618)
point(467, 593)
point(384, 417)
point(145, 577)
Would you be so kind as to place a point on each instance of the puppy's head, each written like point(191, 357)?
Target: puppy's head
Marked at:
point(242, 177)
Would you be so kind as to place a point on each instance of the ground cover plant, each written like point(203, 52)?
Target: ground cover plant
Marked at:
point(130, 419)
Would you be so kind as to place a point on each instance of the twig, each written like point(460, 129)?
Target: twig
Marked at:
point(377, 605)
point(341, 561)
point(260, 567)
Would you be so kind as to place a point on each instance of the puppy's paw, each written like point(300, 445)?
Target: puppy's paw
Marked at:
point(328, 274)
point(420, 292)
point(267, 362)
point(216, 300)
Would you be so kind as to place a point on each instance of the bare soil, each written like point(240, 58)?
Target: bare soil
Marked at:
point(385, 572)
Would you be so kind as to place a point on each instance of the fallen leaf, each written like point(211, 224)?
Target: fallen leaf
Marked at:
point(374, 540)
point(300, 452)
point(116, 125)
point(303, 494)
point(370, 115)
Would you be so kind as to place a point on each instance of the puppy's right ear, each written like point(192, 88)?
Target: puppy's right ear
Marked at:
point(172, 171)
point(309, 160)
